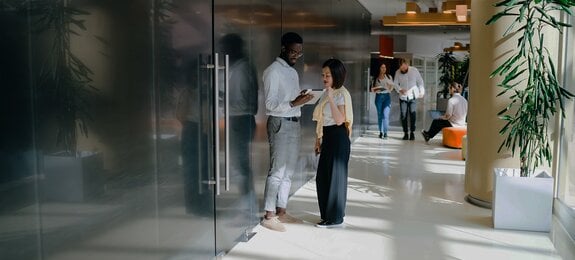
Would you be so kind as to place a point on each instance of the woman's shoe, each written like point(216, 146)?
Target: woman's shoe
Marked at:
point(329, 224)
point(381, 134)
point(385, 136)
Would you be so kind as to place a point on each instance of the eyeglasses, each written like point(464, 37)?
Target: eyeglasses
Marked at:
point(295, 53)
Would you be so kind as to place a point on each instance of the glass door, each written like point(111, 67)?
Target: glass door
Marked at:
point(237, 105)
point(185, 69)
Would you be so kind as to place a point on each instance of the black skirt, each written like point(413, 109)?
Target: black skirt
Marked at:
point(332, 171)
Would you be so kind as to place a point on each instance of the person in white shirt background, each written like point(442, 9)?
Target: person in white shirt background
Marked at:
point(409, 84)
point(455, 114)
point(283, 99)
point(382, 86)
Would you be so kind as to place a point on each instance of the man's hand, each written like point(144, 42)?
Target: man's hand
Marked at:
point(403, 92)
point(301, 99)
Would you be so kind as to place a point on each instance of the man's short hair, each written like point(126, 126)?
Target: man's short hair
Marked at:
point(402, 61)
point(291, 38)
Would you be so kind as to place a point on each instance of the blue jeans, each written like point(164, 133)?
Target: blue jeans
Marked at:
point(408, 108)
point(383, 105)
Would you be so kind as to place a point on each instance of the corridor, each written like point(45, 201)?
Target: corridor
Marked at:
point(405, 201)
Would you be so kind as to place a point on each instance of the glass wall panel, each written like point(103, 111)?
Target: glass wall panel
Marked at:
point(340, 31)
point(111, 111)
point(19, 219)
point(566, 173)
point(184, 90)
point(94, 129)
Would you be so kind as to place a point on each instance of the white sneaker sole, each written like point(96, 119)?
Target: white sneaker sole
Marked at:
point(330, 226)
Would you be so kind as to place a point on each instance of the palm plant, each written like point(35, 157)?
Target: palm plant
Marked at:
point(530, 78)
point(64, 81)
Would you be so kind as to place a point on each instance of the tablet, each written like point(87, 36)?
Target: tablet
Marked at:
point(317, 93)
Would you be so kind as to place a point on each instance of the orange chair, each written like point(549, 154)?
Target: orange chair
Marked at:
point(452, 136)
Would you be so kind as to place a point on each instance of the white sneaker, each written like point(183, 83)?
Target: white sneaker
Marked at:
point(273, 224)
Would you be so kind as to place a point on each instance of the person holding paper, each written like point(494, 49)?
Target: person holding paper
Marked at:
point(334, 117)
point(409, 84)
point(382, 86)
point(283, 99)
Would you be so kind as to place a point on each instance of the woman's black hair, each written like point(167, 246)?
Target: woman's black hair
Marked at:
point(337, 70)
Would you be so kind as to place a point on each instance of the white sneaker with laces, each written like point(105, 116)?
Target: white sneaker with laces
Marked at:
point(273, 224)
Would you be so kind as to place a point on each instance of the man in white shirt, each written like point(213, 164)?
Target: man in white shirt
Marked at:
point(455, 114)
point(283, 99)
point(409, 84)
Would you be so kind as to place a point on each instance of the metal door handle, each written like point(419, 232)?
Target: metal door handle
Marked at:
point(216, 124)
point(227, 123)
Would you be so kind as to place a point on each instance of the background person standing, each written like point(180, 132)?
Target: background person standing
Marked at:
point(409, 84)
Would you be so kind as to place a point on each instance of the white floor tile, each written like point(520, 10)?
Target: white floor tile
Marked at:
point(405, 201)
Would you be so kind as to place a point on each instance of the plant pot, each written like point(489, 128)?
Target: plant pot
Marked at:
point(522, 203)
point(72, 178)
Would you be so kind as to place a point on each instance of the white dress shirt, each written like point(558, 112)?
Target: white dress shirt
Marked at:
point(281, 86)
point(410, 81)
point(457, 110)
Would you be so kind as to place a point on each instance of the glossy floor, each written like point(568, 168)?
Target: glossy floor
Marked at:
point(405, 201)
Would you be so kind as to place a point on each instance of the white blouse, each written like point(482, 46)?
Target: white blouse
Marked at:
point(338, 99)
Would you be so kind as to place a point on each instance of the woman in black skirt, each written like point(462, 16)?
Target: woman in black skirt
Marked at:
point(334, 117)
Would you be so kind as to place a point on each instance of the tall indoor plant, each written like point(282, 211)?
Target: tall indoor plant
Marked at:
point(64, 82)
point(64, 92)
point(530, 74)
point(529, 78)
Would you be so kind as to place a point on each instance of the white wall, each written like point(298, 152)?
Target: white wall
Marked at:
point(431, 45)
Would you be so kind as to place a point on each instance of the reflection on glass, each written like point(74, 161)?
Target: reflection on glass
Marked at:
point(243, 106)
point(198, 198)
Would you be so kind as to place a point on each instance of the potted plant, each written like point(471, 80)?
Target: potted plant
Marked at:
point(451, 70)
point(64, 91)
point(529, 79)
point(447, 65)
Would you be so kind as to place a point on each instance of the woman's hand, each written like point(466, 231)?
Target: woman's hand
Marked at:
point(317, 148)
point(329, 91)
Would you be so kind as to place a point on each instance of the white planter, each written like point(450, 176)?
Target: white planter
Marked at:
point(72, 179)
point(522, 203)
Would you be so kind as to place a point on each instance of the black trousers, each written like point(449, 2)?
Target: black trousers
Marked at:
point(407, 109)
point(436, 126)
point(332, 172)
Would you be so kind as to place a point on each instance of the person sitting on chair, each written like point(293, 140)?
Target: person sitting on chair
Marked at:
point(454, 116)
